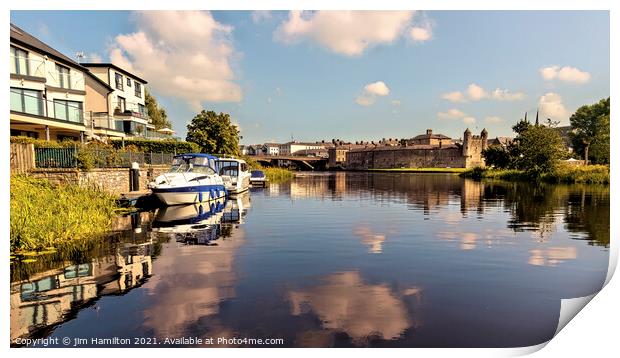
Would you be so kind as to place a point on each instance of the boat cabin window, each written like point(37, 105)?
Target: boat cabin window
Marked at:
point(229, 168)
point(193, 164)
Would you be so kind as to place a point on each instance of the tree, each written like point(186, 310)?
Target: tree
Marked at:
point(591, 130)
point(214, 133)
point(540, 148)
point(497, 157)
point(157, 113)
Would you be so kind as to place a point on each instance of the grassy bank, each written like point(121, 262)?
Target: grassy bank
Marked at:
point(591, 174)
point(420, 170)
point(276, 175)
point(45, 216)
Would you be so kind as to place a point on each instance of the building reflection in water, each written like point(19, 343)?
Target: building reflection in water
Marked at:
point(48, 298)
point(343, 302)
point(53, 296)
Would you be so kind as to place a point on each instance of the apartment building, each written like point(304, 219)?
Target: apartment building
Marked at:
point(127, 100)
point(47, 90)
point(298, 148)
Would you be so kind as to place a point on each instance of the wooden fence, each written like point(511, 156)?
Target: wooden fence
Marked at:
point(22, 158)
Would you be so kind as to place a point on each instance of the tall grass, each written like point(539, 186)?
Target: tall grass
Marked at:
point(276, 175)
point(563, 173)
point(46, 216)
point(273, 174)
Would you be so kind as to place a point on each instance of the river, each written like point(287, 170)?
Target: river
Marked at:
point(328, 259)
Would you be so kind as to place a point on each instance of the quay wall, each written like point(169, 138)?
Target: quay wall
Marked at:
point(113, 180)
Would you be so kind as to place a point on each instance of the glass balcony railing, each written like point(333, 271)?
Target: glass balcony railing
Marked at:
point(106, 121)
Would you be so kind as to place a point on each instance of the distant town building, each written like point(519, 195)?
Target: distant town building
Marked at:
point(271, 149)
point(427, 150)
point(299, 148)
point(430, 139)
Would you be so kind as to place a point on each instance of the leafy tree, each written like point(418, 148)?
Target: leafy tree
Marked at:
point(540, 148)
point(214, 133)
point(591, 131)
point(497, 157)
point(157, 113)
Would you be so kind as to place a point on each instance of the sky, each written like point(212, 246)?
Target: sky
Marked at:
point(361, 75)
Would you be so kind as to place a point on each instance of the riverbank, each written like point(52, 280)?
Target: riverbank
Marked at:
point(46, 216)
point(591, 174)
point(276, 175)
point(420, 170)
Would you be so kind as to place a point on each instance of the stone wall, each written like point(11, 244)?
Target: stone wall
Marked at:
point(403, 157)
point(112, 180)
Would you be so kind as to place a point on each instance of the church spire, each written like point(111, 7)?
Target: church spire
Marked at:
point(536, 116)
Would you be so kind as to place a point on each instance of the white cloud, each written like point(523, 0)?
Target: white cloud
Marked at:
point(378, 88)
point(279, 91)
point(259, 16)
point(191, 62)
point(396, 103)
point(365, 100)
point(350, 33)
point(371, 92)
point(454, 114)
point(451, 114)
point(506, 95)
point(469, 120)
point(420, 34)
point(551, 106)
point(476, 93)
point(94, 58)
point(456, 96)
point(566, 74)
point(493, 119)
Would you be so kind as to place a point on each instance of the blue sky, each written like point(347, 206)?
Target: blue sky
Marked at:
point(282, 76)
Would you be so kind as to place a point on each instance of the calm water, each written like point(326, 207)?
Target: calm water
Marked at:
point(344, 259)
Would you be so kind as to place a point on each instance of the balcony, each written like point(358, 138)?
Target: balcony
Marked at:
point(105, 121)
point(31, 102)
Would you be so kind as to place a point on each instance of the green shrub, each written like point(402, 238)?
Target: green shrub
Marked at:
point(158, 146)
point(41, 143)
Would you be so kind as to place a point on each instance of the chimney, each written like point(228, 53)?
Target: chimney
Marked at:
point(429, 132)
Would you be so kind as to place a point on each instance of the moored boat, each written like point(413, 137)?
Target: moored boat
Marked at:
point(192, 179)
point(235, 174)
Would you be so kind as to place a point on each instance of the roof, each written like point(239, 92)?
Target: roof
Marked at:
point(111, 65)
point(409, 147)
point(304, 143)
point(432, 136)
point(193, 155)
point(25, 39)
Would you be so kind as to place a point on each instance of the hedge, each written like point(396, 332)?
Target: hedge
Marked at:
point(158, 146)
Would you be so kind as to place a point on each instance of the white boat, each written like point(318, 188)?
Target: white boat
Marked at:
point(235, 174)
point(192, 179)
point(258, 178)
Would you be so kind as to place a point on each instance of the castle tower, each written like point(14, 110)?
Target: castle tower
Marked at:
point(466, 142)
point(484, 136)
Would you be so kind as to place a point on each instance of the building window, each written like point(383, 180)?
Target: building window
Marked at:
point(19, 61)
point(119, 80)
point(143, 111)
point(27, 101)
point(122, 104)
point(138, 91)
point(128, 82)
point(64, 77)
point(68, 110)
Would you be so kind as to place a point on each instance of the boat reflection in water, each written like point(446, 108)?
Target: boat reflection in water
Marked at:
point(202, 224)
